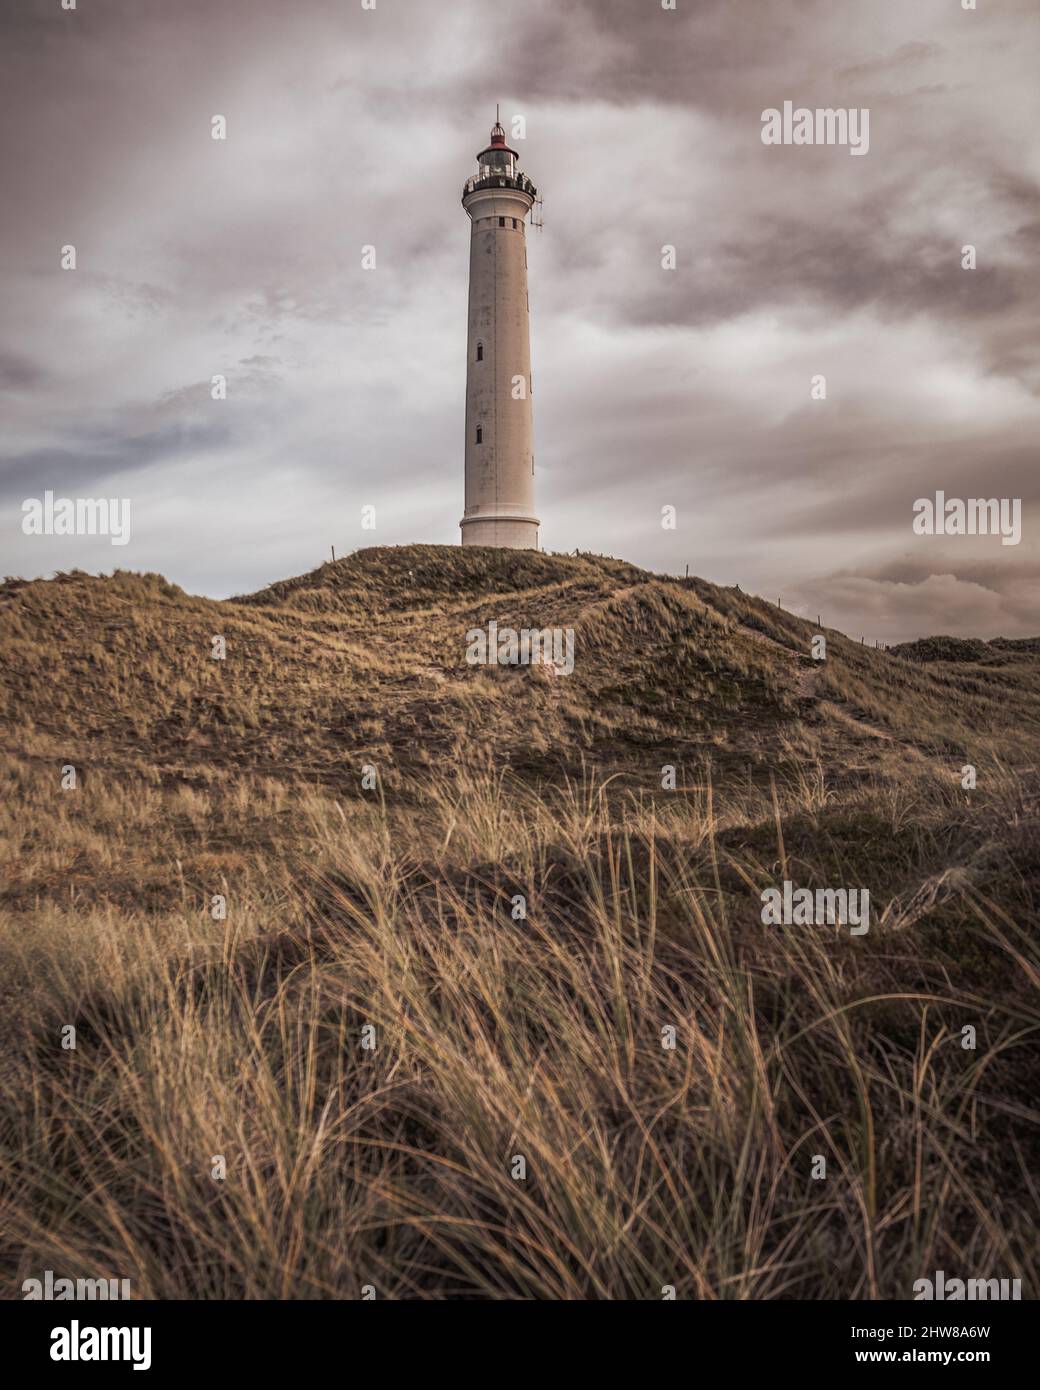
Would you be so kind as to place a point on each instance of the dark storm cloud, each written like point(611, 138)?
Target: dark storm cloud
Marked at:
point(987, 574)
point(959, 599)
point(99, 458)
point(17, 373)
point(686, 388)
point(825, 267)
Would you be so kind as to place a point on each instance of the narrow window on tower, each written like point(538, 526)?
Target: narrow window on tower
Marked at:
point(480, 352)
point(501, 221)
point(514, 224)
point(480, 435)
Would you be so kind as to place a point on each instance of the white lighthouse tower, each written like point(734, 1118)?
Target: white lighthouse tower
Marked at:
point(499, 453)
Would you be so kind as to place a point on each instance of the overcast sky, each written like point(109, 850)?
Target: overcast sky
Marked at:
point(687, 388)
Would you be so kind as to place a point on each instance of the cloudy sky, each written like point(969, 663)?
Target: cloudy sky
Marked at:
point(688, 388)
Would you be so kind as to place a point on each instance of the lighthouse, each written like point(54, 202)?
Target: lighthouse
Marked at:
point(499, 450)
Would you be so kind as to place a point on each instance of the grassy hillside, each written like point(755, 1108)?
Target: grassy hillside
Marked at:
point(372, 809)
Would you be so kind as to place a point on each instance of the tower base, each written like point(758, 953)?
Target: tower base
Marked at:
point(506, 532)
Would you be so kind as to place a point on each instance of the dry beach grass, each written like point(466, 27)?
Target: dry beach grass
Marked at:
point(393, 907)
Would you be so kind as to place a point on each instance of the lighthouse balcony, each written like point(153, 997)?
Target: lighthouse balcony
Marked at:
point(518, 181)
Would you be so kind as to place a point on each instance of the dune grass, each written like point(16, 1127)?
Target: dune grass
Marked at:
point(538, 1038)
point(507, 1023)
